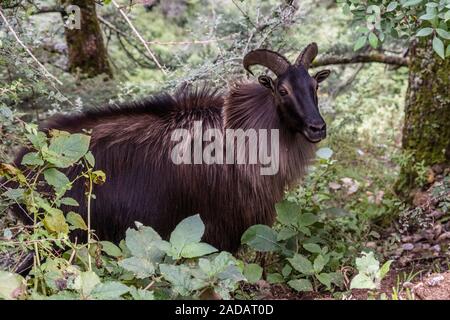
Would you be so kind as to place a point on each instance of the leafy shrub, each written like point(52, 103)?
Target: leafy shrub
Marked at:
point(369, 272)
point(142, 267)
point(307, 261)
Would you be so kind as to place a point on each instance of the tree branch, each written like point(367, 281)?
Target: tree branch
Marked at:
point(138, 35)
point(44, 69)
point(377, 57)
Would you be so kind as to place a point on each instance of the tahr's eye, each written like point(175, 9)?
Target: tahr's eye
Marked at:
point(283, 92)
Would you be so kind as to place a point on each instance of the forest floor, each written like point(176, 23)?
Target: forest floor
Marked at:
point(418, 242)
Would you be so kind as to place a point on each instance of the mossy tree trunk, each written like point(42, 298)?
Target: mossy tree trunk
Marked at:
point(86, 49)
point(426, 132)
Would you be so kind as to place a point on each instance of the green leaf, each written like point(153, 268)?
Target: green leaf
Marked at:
point(360, 43)
point(286, 233)
point(57, 180)
point(70, 202)
point(442, 33)
point(90, 159)
point(287, 212)
point(253, 272)
point(424, 32)
point(232, 273)
point(56, 222)
point(14, 194)
point(141, 294)
point(391, 6)
point(109, 290)
point(275, 278)
point(301, 264)
point(362, 281)
point(286, 271)
point(305, 230)
point(307, 219)
point(193, 250)
point(325, 279)
point(65, 150)
point(411, 3)
point(438, 47)
point(312, 247)
point(324, 153)
point(37, 139)
point(218, 265)
point(385, 269)
point(181, 279)
point(261, 238)
point(76, 221)
point(373, 40)
point(86, 282)
point(32, 159)
point(447, 16)
point(111, 249)
point(143, 243)
point(301, 285)
point(6, 112)
point(367, 263)
point(447, 52)
point(319, 263)
point(428, 16)
point(189, 230)
point(12, 286)
point(141, 268)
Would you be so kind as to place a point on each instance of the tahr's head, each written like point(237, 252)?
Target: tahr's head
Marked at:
point(294, 90)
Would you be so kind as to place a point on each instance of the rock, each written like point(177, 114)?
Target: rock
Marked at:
point(438, 168)
point(436, 248)
point(407, 246)
point(379, 197)
point(371, 244)
point(262, 284)
point(436, 214)
point(408, 285)
point(334, 186)
point(421, 199)
point(444, 236)
point(407, 239)
point(437, 230)
point(434, 281)
point(430, 176)
point(351, 185)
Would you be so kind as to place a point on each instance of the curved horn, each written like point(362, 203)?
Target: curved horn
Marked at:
point(267, 58)
point(308, 54)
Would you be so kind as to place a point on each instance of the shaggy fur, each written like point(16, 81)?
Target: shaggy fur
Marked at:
point(131, 144)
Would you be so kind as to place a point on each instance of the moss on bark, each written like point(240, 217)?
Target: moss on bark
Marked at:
point(86, 50)
point(426, 132)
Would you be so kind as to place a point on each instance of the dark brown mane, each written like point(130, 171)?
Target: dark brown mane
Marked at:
point(184, 99)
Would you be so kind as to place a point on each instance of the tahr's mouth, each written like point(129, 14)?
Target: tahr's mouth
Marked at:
point(314, 136)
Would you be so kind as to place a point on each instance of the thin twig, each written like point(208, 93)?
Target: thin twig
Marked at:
point(139, 37)
point(46, 72)
point(177, 43)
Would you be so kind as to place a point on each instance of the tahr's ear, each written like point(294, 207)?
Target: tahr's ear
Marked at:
point(266, 81)
point(322, 75)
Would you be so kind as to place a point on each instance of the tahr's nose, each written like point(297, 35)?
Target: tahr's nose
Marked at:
point(317, 127)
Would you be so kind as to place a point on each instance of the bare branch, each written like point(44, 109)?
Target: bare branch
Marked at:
point(199, 42)
point(377, 57)
point(139, 36)
point(46, 72)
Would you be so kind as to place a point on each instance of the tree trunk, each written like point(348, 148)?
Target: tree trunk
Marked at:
point(426, 132)
point(86, 49)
